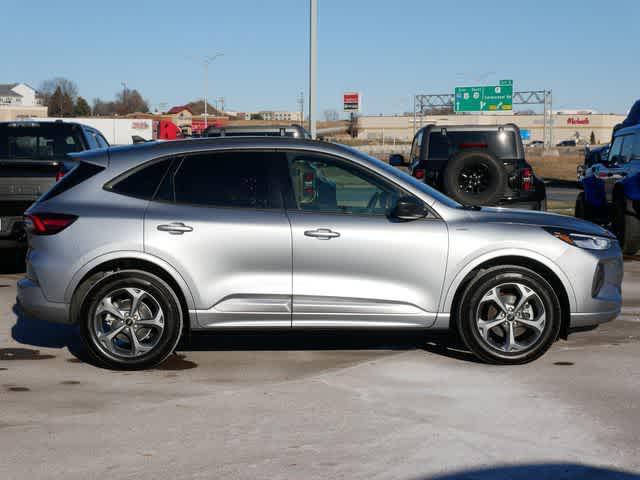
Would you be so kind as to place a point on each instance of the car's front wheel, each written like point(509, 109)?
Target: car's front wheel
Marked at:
point(508, 315)
point(130, 320)
point(626, 226)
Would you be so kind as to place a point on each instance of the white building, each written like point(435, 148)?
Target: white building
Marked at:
point(18, 94)
point(19, 100)
point(281, 116)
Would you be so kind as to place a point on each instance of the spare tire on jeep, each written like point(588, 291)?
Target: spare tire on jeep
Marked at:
point(474, 178)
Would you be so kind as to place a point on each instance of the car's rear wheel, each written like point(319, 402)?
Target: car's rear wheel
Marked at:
point(626, 226)
point(508, 315)
point(130, 320)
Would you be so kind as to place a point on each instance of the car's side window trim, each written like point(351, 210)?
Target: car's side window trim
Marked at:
point(289, 194)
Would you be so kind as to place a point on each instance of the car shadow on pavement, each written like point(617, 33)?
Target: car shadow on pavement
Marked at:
point(39, 333)
point(439, 343)
point(550, 471)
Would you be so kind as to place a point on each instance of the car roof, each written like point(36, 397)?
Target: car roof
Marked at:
point(37, 122)
point(256, 129)
point(627, 130)
point(195, 145)
point(473, 128)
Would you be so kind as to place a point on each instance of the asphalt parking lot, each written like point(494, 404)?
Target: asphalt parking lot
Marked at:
point(320, 405)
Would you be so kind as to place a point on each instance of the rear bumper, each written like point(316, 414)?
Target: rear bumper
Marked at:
point(33, 302)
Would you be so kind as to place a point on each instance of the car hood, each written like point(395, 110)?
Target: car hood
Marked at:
point(539, 219)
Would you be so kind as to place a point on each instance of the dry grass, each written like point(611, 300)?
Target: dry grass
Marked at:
point(558, 167)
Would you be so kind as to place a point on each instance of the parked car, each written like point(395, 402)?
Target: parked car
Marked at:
point(475, 165)
point(611, 195)
point(535, 144)
point(33, 155)
point(592, 156)
point(566, 143)
point(295, 131)
point(139, 244)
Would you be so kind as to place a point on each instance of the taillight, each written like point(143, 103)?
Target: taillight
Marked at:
point(60, 174)
point(419, 173)
point(48, 223)
point(527, 179)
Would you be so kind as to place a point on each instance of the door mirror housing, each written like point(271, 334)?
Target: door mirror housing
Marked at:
point(397, 160)
point(409, 208)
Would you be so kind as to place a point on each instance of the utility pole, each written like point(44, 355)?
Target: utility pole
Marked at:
point(207, 61)
point(301, 105)
point(313, 27)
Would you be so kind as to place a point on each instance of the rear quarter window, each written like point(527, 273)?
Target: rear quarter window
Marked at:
point(83, 171)
point(141, 182)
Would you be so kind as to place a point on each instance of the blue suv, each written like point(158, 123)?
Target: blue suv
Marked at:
point(611, 193)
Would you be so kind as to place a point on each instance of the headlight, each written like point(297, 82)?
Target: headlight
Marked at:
point(582, 240)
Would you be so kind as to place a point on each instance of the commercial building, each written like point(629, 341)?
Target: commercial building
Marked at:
point(565, 126)
point(280, 116)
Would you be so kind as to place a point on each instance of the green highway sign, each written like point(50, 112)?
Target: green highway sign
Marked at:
point(495, 98)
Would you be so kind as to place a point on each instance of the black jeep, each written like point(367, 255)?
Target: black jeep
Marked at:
point(475, 165)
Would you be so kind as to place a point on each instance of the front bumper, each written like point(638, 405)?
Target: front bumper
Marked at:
point(33, 302)
point(596, 277)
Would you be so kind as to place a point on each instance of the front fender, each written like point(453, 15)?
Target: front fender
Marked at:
point(452, 288)
point(631, 186)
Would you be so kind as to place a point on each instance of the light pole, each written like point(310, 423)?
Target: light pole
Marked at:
point(313, 18)
point(207, 61)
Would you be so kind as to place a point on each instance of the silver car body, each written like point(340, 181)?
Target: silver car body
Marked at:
point(258, 268)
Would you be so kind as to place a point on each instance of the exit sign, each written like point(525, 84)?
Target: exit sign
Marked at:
point(493, 98)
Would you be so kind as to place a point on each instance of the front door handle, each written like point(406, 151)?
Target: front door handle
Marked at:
point(322, 233)
point(175, 228)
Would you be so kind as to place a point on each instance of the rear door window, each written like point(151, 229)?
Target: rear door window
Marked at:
point(228, 179)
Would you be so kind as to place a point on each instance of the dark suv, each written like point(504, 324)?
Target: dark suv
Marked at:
point(475, 165)
point(33, 155)
point(295, 131)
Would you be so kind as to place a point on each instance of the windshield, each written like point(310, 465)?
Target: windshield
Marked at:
point(405, 177)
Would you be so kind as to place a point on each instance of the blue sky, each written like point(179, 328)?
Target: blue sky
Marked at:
point(587, 52)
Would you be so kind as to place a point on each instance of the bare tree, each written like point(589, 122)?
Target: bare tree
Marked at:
point(67, 87)
point(130, 101)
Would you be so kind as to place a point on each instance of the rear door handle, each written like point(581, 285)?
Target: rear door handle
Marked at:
point(175, 228)
point(322, 233)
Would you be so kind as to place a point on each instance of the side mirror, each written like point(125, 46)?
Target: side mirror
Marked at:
point(396, 160)
point(409, 208)
point(614, 160)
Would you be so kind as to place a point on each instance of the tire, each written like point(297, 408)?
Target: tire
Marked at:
point(580, 211)
point(484, 328)
point(474, 178)
point(626, 227)
point(108, 317)
point(542, 205)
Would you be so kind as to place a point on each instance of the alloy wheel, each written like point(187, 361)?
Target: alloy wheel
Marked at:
point(128, 323)
point(511, 317)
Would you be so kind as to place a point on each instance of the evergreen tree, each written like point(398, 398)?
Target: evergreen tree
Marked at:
point(81, 108)
point(55, 103)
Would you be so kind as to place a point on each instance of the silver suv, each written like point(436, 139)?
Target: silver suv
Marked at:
point(141, 244)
